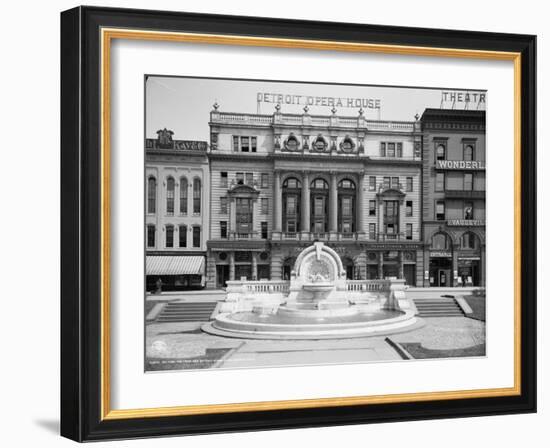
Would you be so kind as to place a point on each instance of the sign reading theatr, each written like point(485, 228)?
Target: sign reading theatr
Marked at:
point(331, 101)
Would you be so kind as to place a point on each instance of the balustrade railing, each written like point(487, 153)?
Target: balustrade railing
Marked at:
point(367, 285)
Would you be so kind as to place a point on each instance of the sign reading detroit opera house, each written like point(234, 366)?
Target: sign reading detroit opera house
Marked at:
point(310, 100)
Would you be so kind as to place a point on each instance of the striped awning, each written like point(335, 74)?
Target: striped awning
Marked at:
point(174, 265)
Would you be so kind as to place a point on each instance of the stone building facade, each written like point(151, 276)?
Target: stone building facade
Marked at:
point(281, 181)
point(454, 197)
point(177, 190)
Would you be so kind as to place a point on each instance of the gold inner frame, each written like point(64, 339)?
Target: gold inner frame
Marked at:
point(107, 35)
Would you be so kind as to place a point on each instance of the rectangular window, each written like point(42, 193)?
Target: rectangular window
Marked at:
point(372, 231)
point(319, 206)
point(468, 181)
point(395, 182)
point(235, 143)
point(387, 182)
point(223, 229)
point(291, 205)
point(265, 180)
point(391, 217)
point(372, 208)
point(249, 178)
point(196, 236)
point(240, 178)
point(399, 149)
point(253, 145)
point(223, 205)
point(409, 184)
point(391, 150)
point(372, 183)
point(440, 151)
point(440, 210)
point(183, 236)
point(169, 236)
point(409, 231)
point(150, 236)
point(264, 230)
point(382, 149)
point(223, 179)
point(468, 210)
point(265, 206)
point(439, 181)
point(291, 226)
point(346, 206)
point(245, 144)
point(409, 208)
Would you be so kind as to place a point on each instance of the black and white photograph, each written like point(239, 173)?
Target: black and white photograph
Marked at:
point(294, 224)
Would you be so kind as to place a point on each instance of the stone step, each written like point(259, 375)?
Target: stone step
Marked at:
point(187, 312)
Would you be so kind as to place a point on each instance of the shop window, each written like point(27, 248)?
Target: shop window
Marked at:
point(196, 195)
point(265, 206)
point(409, 231)
point(196, 236)
point(170, 196)
point(372, 208)
point(223, 179)
point(169, 236)
point(468, 181)
point(151, 231)
point(372, 183)
point(265, 180)
point(409, 184)
point(439, 181)
point(151, 195)
point(223, 205)
point(223, 229)
point(468, 210)
point(409, 208)
point(468, 152)
point(264, 230)
point(440, 210)
point(182, 236)
point(440, 241)
point(440, 152)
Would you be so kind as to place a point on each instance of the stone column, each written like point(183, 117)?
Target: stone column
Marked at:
point(254, 266)
point(231, 265)
point(360, 226)
point(455, 265)
point(333, 204)
point(305, 203)
point(380, 229)
point(277, 202)
point(381, 265)
point(401, 273)
point(232, 204)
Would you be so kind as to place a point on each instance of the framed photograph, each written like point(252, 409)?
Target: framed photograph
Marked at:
point(277, 224)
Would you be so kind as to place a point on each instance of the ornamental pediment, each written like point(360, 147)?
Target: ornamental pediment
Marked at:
point(243, 190)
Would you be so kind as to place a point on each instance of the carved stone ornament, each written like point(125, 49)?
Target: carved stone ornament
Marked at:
point(164, 139)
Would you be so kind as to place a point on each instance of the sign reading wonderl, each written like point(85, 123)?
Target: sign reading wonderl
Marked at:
point(330, 101)
point(460, 164)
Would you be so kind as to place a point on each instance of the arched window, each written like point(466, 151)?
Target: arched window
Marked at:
point(440, 152)
point(440, 241)
point(468, 152)
point(170, 195)
point(292, 195)
point(292, 182)
point(469, 241)
point(151, 195)
point(292, 143)
point(196, 195)
point(184, 187)
point(346, 184)
point(319, 184)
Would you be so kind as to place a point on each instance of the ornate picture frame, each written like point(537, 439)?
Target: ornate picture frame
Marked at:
point(87, 35)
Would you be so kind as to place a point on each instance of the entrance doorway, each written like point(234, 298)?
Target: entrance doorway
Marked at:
point(440, 272)
point(409, 271)
point(243, 270)
point(222, 275)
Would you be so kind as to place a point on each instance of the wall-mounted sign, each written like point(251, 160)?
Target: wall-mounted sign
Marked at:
point(330, 101)
point(460, 165)
point(440, 254)
point(466, 222)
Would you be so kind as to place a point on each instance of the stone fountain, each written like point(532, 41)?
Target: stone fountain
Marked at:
point(318, 302)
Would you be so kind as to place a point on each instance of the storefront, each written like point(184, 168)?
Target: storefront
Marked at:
point(441, 267)
point(174, 273)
